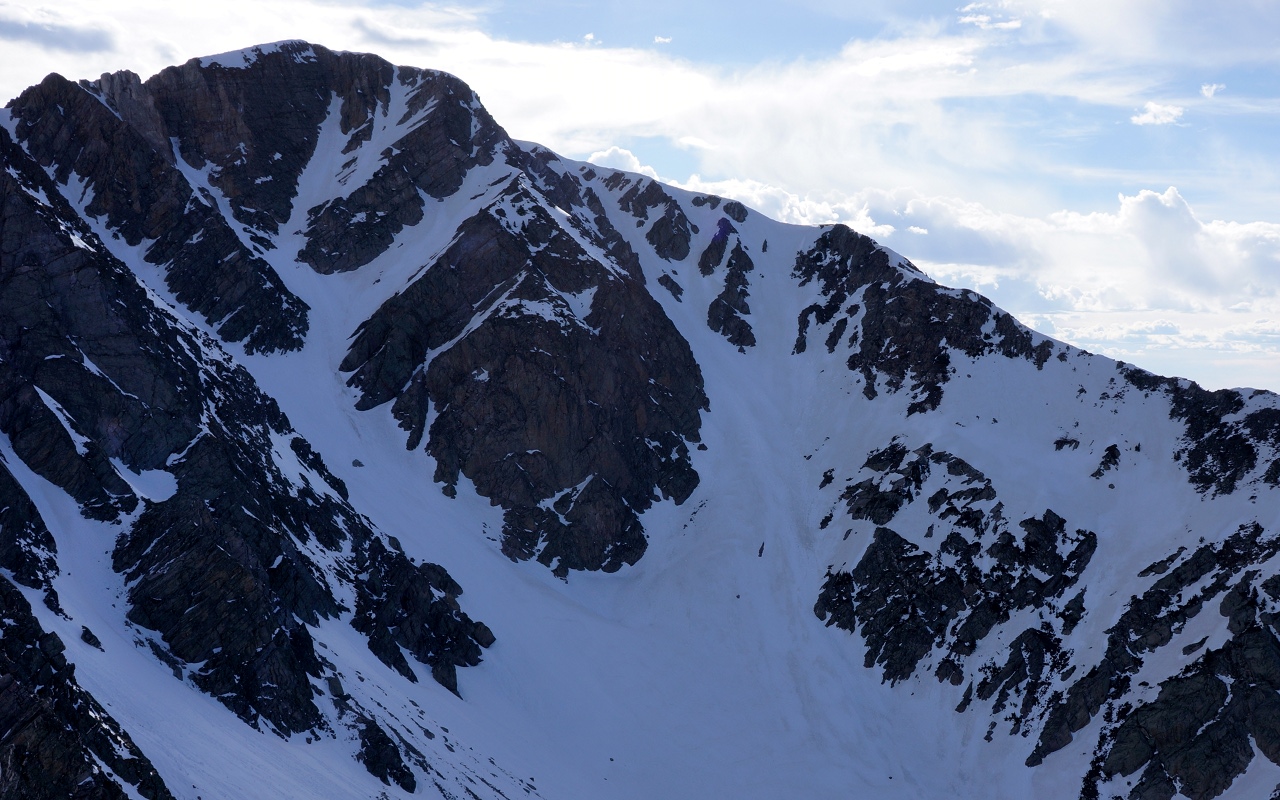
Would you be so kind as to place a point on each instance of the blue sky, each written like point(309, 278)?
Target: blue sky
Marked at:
point(1105, 170)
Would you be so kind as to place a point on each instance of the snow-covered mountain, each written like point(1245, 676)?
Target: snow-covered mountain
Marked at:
point(296, 346)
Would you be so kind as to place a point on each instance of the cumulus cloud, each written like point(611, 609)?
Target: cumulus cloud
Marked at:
point(1148, 281)
point(1157, 114)
point(623, 159)
point(662, 40)
point(780, 204)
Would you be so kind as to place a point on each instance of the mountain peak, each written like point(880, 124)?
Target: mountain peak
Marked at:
point(296, 344)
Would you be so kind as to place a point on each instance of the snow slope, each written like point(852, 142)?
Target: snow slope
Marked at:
point(701, 669)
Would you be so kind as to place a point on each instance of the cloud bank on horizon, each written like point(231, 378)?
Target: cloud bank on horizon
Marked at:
point(1104, 171)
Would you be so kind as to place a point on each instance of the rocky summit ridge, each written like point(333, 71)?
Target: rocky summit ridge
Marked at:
point(296, 345)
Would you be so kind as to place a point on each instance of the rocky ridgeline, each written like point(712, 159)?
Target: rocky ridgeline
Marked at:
point(128, 181)
point(920, 607)
point(530, 358)
point(247, 127)
point(898, 325)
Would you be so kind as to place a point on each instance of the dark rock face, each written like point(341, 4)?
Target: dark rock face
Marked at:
point(555, 409)
point(1219, 453)
point(381, 756)
point(908, 603)
point(55, 738)
point(1198, 733)
point(255, 125)
point(27, 548)
point(671, 232)
point(227, 569)
point(736, 211)
point(903, 326)
point(432, 159)
point(724, 315)
point(415, 607)
point(1149, 623)
point(95, 372)
point(134, 188)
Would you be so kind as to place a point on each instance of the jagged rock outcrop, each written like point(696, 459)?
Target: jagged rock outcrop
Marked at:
point(1220, 452)
point(56, 741)
point(239, 551)
point(725, 314)
point(561, 389)
point(406, 607)
point(131, 184)
point(671, 232)
point(909, 603)
point(1150, 622)
point(431, 160)
point(901, 325)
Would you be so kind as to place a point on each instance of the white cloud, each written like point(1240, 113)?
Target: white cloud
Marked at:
point(987, 22)
point(1156, 114)
point(694, 143)
point(1149, 282)
point(662, 40)
point(1211, 89)
point(623, 159)
point(47, 28)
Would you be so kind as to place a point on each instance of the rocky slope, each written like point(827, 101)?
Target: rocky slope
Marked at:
point(298, 344)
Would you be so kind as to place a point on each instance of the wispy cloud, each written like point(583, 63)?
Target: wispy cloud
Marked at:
point(1157, 114)
point(988, 17)
point(48, 29)
point(662, 40)
point(1211, 89)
